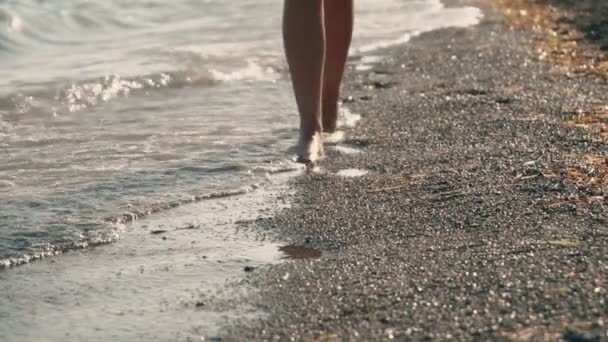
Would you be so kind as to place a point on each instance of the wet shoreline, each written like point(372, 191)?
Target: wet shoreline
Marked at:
point(146, 285)
point(176, 111)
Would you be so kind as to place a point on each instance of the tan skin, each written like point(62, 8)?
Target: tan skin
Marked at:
point(317, 35)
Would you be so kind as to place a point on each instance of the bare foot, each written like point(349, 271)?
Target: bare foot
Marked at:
point(310, 150)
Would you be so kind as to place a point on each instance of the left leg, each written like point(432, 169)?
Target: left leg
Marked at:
point(304, 40)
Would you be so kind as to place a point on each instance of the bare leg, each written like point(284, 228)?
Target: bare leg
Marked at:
point(304, 39)
point(339, 19)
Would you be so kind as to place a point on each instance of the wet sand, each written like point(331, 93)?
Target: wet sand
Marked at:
point(482, 215)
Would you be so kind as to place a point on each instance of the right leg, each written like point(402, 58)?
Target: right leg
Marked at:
point(339, 19)
point(304, 39)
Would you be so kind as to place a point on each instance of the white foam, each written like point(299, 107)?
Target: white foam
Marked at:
point(379, 26)
point(347, 150)
point(333, 138)
point(6, 184)
point(382, 44)
point(347, 119)
point(276, 168)
point(84, 95)
point(16, 24)
point(363, 67)
point(368, 62)
point(352, 173)
point(253, 71)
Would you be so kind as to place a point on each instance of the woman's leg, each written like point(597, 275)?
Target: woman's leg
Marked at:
point(304, 39)
point(339, 19)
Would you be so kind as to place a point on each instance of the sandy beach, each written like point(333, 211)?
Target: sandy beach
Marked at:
point(467, 204)
point(482, 214)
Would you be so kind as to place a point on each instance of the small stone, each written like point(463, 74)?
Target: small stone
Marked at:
point(577, 336)
point(383, 84)
point(348, 99)
point(390, 333)
point(504, 100)
point(347, 310)
point(384, 318)
point(249, 269)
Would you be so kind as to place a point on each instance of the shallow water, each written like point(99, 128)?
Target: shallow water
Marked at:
point(113, 110)
point(153, 284)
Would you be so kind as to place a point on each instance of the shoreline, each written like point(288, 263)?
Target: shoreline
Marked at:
point(478, 219)
point(87, 282)
point(145, 286)
point(26, 243)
